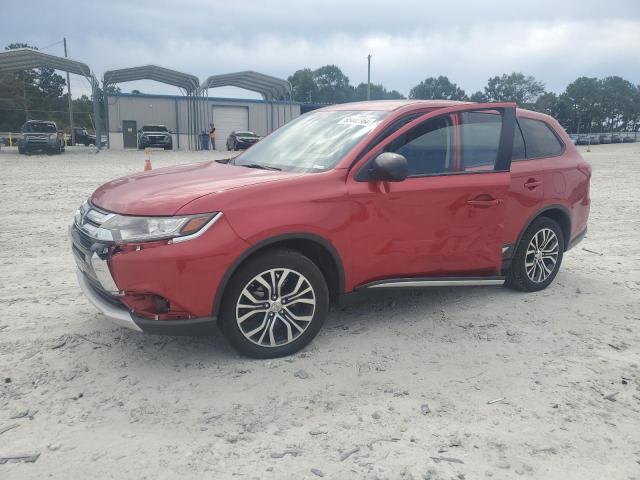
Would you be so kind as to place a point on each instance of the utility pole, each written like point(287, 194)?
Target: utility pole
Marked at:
point(369, 77)
point(73, 135)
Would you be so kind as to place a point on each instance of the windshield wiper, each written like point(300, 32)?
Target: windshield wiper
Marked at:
point(260, 166)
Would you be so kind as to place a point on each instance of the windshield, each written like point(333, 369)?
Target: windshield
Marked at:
point(39, 127)
point(154, 128)
point(245, 134)
point(313, 142)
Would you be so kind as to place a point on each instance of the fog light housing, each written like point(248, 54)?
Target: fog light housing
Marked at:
point(161, 304)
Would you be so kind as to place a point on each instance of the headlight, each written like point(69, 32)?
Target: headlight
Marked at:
point(145, 229)
point(122, 228)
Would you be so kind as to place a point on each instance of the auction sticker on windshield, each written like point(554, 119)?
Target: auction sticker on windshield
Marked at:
point(361, 119)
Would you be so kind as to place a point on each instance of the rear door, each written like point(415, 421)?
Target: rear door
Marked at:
point(447, 218)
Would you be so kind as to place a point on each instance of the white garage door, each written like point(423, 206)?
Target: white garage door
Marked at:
point(228, 119)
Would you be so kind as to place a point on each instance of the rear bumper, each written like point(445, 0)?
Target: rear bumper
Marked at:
point(121, 316)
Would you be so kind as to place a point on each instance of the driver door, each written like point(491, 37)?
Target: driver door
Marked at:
point(446, 219)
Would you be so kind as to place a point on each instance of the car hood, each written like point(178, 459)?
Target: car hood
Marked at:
point(166, 190)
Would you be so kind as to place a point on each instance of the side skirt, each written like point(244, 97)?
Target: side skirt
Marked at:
point(432, 282)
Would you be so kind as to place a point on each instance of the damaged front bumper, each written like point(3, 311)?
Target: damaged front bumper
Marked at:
point(98, 285)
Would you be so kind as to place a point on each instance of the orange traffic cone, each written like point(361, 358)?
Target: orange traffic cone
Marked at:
point(147, 162)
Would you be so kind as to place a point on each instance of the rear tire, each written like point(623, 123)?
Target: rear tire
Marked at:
point(274, 304)
point(538, 256)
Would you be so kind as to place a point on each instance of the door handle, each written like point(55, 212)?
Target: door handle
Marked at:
point(493, 202)
point(532, 183)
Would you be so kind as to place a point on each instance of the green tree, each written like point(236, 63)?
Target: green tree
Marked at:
point(333, 85)
point(378, 92)
point(584, 100)
point(516, 87)
point(478, 97)
point(618, 107)
point(546, 103)
point(303, 86)
point(440, 88)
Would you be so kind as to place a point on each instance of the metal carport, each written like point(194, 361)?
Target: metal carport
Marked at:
point(27, 58)
point(188, 84)
point(271, 88)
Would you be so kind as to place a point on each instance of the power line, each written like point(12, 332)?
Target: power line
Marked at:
point(52, 45)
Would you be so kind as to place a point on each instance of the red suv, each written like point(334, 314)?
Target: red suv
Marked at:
point(350, 198)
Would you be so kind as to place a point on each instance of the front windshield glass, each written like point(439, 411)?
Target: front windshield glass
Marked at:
point(39, 127)
point(154, 128)
point(313, 142)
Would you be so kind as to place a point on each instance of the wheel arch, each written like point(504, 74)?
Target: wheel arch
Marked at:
point(314, 247)
point(556, 212)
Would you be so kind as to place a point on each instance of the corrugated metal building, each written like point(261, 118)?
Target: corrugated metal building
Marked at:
point(128, 112)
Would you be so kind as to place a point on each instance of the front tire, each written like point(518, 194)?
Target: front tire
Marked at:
point(274, 305)
point(538, 256)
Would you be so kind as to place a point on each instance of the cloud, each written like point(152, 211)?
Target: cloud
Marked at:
point(409, 40)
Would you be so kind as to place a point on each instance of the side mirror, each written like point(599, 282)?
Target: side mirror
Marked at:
point(388, 166)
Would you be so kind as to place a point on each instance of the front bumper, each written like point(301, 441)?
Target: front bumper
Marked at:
point(123, 281)
point(243, 144)
point(155, 141)
point(120, 315)
point(37, 143)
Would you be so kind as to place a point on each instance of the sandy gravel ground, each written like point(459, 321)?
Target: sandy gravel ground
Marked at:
point(442, 384)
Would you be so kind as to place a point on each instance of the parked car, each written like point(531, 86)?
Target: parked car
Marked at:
point(594, 139)
point(351, 198)
point(83, 137)
point(605, 138)
point(628, 139)
point(582, 140)
point(615, 138)
point(241, 140)
point(155, 136)
point(40, 135)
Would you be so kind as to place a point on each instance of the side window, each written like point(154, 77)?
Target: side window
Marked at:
point(427, 147)
point(480, 140)
point(390, 130)
point(540, 139)
point(519, 152)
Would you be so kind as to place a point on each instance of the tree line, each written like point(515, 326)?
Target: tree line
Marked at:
point(587, 104)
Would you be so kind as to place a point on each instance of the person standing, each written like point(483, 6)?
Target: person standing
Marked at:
point(212, 137)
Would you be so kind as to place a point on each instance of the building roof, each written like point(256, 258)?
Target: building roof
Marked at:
point(26, 58)
point(152, 72)
point(271, 88)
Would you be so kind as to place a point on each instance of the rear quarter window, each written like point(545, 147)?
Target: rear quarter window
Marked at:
point(540, 139)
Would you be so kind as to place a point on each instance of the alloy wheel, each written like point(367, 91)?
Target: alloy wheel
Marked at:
point(541, 257)
point(275, 307)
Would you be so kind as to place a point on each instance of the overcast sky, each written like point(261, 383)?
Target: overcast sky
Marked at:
point(469, 41)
